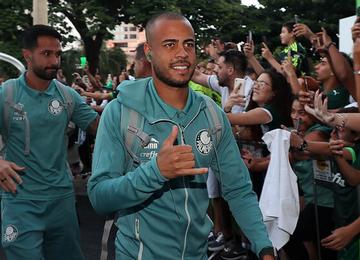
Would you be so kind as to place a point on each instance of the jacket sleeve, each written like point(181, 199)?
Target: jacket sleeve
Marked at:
point(109, 188)
point(237, 190)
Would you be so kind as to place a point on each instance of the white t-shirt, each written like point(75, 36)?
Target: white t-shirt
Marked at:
point(224, 91)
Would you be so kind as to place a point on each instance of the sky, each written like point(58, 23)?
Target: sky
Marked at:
point(250, 2)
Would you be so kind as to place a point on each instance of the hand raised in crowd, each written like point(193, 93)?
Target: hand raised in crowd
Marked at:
point(301, 29)
point(355, 31)
point(249, 49)
point(320, 110)
point(339, 238)
point(324, 41)
point(217, 45)
point(9, 177)
point(336, 145)
point(234, 99)
point(306, 98)
point(356, 51)
point(177, 160)
point(265, 52)
point(247, 157)
point(288, 68)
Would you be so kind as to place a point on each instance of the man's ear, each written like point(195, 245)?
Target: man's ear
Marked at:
point(230, 70)
point(27, 55)
point(147, 51)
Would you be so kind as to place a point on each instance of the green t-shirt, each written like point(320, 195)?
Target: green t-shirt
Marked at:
point(305, 173)
point(337, 98)
point(345, 196)
point(298, 56)
point(206, 91)
point(347, 211)
point(46, 175)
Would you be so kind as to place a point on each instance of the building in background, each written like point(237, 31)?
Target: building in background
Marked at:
point(126, 37)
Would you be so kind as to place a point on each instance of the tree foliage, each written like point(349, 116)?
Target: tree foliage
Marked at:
point(14, 18)
point(94, 19)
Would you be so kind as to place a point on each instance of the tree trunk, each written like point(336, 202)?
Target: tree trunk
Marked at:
point(92, 46)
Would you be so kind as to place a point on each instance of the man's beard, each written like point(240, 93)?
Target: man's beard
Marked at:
point(170, 82)
point(222, 83)
point(45, 74)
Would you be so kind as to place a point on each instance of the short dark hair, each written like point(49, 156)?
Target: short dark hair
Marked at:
point(164, 15)
point(31, 35)
point(236, 59)
point(139, 52)
point(289, 26)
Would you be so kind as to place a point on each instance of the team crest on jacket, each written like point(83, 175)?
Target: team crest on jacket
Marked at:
point(10, 233)
point(55, 107)
point(203, 141)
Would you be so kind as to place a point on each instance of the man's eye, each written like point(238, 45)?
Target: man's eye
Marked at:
point(46, 53)
point(170, 44)
point(190, 45)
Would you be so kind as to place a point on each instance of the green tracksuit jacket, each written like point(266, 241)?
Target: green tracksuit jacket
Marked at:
point(160, 218)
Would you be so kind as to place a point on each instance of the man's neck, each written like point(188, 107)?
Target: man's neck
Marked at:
point(35, 82)
point(175, 97)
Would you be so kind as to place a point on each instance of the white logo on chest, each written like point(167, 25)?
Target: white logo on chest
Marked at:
point(203, 141)
point(55, 107)
point(10, 233)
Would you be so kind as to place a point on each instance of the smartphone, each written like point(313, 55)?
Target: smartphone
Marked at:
point(239, 86)
point(250, 38)
point(306, 84)
point(296, 18)
point(297, 125)
point(264, 40)
point(83, 61)
point(239, 46)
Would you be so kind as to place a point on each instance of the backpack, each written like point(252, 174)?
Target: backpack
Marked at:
point(10, 89)
point(131, 129)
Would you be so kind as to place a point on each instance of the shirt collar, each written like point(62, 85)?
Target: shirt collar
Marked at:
point(170, 111)
point(33, 92)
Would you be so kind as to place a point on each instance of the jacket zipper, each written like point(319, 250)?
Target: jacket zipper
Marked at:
point(137, 235)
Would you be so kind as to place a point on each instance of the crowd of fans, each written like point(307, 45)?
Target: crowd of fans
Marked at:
point(316, 103)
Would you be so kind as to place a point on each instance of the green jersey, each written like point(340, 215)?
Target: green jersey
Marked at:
point(46, 175)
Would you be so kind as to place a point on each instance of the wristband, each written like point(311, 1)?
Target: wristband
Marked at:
point(342, 123)
point(327, 47)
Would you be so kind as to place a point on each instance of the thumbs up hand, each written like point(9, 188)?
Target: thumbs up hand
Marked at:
point(177, 160)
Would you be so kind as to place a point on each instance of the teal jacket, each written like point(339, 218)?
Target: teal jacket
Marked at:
point(160, 218)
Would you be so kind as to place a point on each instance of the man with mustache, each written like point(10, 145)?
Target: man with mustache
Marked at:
point(161, 197)
point(38, 203)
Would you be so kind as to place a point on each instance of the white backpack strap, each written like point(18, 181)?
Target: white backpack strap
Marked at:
point(105, 238)
point(134, 137)
point(10, 91)
point(131, 125)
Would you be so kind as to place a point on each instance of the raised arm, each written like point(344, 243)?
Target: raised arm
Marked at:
point(249, 53)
